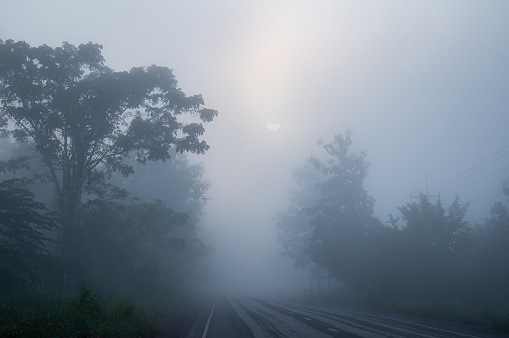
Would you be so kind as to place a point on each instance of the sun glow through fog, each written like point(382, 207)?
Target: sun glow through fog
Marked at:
point(273, 58)
point(273, 124)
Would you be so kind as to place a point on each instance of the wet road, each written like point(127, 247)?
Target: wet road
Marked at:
point(249, 317)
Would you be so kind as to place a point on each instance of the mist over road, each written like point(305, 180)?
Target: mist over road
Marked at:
point(252, 317)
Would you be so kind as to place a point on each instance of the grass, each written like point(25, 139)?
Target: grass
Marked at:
point(85, 316)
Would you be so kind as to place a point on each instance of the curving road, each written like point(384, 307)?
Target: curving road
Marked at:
point(249, 317)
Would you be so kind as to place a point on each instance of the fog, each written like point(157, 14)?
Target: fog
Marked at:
point(422, 86)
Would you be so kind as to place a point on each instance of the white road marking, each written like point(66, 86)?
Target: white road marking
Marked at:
point(208, 321)
point(343, 311)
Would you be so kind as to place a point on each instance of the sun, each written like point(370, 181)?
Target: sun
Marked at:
point(273, 124)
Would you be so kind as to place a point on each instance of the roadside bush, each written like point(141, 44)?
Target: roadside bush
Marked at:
point(85, 316)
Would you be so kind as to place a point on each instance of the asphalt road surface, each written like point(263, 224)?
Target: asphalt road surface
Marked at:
point(250, 317)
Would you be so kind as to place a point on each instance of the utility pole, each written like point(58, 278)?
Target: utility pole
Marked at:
point(426, 194)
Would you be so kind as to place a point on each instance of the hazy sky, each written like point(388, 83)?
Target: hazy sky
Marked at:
point(423, 85)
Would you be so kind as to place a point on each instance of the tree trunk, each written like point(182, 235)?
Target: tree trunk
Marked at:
point(70, 238)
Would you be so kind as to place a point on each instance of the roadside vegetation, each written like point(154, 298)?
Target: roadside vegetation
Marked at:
point(86, 316)
point(488, 315)
point(96, 190)
point(428, 261)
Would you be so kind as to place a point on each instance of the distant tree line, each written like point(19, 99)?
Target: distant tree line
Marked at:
point(428, 252)
point(82, 197)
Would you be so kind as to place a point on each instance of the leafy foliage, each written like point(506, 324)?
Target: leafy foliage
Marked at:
point(342, 218)
point(122, 236)
point(434, 243)
point(176, 182)
point(330, 223)
point(293, 228)
point(137, 249)
point(74, 127)
point(146, 250)
point(85, 316)
point(84, 119)
point(25, 229)
point(491, 256)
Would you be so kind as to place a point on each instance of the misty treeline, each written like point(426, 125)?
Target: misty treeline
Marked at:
point(427, 252)
point(95, 186)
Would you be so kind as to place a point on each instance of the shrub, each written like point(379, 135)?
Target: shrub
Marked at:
point(85, 316)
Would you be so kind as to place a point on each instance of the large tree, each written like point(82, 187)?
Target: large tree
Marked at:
point(293, 229)
point(342, 218)
point(84, 119)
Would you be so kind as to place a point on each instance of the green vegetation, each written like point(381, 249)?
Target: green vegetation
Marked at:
point(95, 188)
point(82, 121)
point(87, 315)
point(428, 261)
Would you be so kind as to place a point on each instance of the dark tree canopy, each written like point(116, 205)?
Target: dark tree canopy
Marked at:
point(84, 119)
point(343, 215)
point(143, 241)
point(442, 234)
point(434, 243)
point(293, 228)
point(330, 214)
point(24, 226)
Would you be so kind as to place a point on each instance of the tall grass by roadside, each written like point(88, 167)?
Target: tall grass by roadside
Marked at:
point(85, 316)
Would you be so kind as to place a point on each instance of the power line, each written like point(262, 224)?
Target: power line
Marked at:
point(475, 181)
point(479, 213)
point(485, 198)
point(475, 220)
point(487, 165)
point(485, 140)
point(461, 176)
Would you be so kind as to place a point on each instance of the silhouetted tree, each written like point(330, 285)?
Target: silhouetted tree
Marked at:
point(342, 219)
point(139, 241)
point(26, 231)
point(492, 268)
point(293, 228)
point(124, 246)
point(435, 241)
point(179, 184)
point(84, 119)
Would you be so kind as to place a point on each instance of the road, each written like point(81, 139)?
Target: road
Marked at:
point(250, 317)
